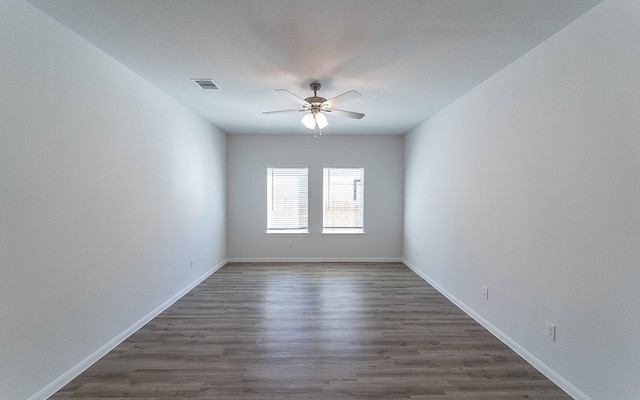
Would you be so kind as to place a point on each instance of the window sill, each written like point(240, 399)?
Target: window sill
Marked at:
point(343, 234)
point(272, 233)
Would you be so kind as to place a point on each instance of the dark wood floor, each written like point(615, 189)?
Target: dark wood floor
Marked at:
point(312, 331)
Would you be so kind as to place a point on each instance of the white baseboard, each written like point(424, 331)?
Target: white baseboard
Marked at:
point(315, 259)
point(68, 376)
point(65, 378)
point(522, 352)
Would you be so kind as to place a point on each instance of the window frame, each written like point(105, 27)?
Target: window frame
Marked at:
point(294, 232)
point(345, 233)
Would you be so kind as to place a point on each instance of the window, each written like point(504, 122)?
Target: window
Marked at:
point(343, 200)
point(287, 200)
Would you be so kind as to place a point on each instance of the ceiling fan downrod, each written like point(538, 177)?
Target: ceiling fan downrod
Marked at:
point(315, 86)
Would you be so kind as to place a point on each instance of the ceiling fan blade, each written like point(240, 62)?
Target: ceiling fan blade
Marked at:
point(294, 97)
point(344, 113)
point(346, 96)
point(282, 111)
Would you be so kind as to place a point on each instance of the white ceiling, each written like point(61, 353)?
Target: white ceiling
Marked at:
point(408, 59)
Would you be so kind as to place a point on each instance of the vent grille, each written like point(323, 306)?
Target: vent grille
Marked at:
point(205, 83)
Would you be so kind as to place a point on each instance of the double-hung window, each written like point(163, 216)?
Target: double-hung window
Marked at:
point(287, 200)
point(343, 200)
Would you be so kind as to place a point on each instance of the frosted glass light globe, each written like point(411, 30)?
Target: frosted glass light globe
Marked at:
point(309, 121)
point(321, 120)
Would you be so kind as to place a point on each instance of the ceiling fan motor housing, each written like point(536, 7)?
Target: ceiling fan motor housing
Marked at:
point(315, 100)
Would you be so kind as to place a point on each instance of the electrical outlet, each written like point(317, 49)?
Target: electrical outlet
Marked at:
point(550, 331)
point(290, 244)
point(191, 265)
point(485, 292)
point(418, 254)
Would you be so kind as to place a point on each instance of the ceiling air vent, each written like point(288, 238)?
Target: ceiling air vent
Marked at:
point(205, 83)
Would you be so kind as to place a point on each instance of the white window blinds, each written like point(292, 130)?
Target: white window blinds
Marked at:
point(287, 200)
point(343, 200)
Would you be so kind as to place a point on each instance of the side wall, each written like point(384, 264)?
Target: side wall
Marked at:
point(247, 190)
point(108, 190)
point(530, 185)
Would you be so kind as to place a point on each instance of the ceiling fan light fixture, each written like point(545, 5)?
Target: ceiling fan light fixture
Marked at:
point(312, 119)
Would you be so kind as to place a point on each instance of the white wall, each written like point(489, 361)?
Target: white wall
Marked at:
point(108, 188)
point(530, 185)
point(249, 155)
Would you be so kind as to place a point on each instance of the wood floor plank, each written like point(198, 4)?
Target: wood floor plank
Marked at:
point(283, 331)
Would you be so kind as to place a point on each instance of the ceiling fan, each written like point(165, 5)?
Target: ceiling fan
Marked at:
point(316, 107)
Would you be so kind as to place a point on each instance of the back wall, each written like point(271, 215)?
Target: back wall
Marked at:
point(248, 157)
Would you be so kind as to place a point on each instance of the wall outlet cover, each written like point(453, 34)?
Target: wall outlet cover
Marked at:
point(550, 331)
